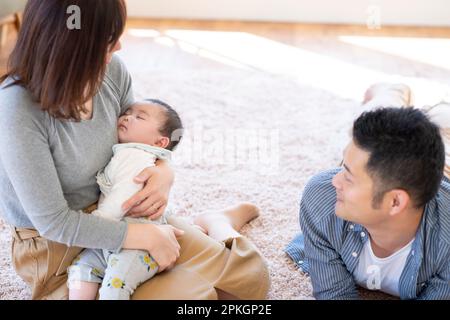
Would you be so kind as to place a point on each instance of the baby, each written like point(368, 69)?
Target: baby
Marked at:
point(147, 131)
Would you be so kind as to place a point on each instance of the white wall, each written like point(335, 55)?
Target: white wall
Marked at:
point(392, 12)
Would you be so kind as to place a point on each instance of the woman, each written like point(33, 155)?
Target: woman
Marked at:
point(60, 101)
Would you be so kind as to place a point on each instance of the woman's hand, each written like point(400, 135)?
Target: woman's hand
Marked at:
point(151, 201)
point(159, 240)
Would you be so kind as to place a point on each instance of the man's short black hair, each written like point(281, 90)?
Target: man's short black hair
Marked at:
point(172, 127)
point(406, 152)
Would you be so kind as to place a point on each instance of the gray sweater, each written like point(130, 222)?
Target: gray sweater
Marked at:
point(48, 166)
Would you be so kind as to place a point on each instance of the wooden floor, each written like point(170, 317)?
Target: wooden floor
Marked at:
point(6, 50)
point(288, 33)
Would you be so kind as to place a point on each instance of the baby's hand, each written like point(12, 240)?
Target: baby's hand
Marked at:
point(151, 201)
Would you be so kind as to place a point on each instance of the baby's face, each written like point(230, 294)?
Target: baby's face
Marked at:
point(140, 124)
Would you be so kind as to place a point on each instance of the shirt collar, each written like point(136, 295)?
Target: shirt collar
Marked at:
point(429, 219)
point(160, 153)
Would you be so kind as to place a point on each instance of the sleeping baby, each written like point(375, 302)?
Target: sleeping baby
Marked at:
point(147, 131)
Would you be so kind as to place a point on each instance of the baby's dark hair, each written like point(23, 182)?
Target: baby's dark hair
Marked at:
point(172, 127)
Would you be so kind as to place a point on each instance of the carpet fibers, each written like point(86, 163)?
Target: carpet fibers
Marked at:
point(262, 117)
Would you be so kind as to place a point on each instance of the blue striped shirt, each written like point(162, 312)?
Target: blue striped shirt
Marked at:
point(329, 247)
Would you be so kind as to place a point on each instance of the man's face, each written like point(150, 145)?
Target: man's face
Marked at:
point(355, 190)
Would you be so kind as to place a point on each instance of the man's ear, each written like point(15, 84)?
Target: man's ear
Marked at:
point(163, 142)
point(399, 200)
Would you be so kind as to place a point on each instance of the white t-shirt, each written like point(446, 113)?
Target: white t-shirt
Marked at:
point(382, 274)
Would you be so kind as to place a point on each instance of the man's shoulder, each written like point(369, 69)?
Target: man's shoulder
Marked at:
point(320, 187)
point(443, 211)
point(445, 188)
point(319, 195)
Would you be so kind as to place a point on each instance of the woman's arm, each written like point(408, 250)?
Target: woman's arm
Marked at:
point(159, 240)
point(26, 157)
point(28, 164)
point(152, 199)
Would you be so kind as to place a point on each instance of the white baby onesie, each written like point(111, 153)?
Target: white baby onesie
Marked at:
point(116, 181)
point(119, 273)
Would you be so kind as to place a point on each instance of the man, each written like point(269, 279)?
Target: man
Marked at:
point(382, 221)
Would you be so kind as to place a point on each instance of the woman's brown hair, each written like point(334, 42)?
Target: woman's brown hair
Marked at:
point(62, 67)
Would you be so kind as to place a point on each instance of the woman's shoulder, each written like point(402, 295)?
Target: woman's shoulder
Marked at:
point(118, 80)
point(117, 77)
point(16, 102)
point(9, 90)
point(116, 69)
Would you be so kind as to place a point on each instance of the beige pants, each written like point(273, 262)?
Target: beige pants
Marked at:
point(234, 266)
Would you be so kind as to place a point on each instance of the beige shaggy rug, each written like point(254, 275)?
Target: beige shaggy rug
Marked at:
point(262, 117)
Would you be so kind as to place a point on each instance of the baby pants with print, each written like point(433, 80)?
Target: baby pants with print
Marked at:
point(118, 273)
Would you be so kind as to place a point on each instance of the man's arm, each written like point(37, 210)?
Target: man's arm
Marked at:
point(329, 276)
point(438, 287)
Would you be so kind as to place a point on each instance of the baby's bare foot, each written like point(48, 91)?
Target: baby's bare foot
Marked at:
point(237, 217)
point(389, 94)
point(199, 228)
point(241, 215)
